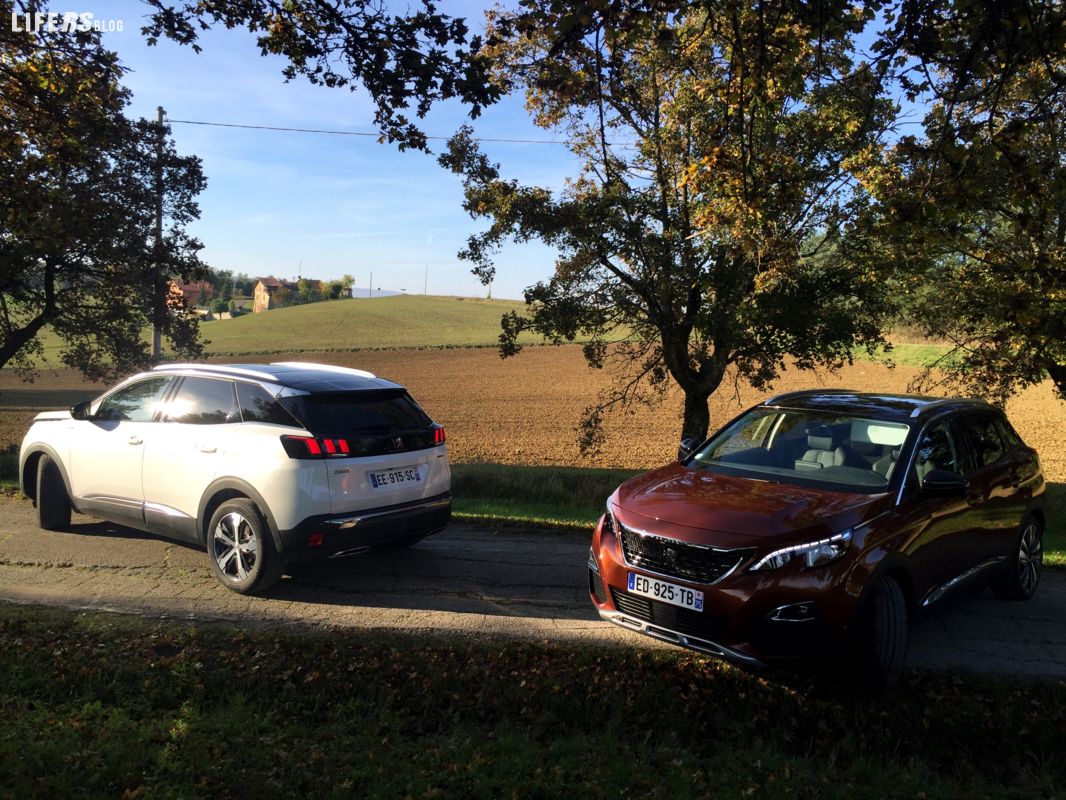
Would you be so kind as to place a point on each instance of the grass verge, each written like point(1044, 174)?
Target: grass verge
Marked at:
point(547, 496)
point(104, 705)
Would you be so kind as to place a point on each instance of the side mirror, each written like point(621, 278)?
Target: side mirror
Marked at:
point(942, 481)
point(81, 410)
point(686, 448)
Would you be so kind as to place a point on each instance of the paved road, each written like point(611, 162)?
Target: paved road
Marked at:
point(468, 580)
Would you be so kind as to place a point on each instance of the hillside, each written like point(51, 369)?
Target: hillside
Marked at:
point(360, 324)
point(400, 322)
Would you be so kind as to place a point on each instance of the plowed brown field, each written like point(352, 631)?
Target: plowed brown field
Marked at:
point(525, 410)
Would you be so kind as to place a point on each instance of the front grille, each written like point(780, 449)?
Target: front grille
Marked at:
point(678, 559)
point(596, 587)
point(682, 620)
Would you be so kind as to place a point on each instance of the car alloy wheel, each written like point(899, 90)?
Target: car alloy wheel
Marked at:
point(1030, 558)
point(1021, 576)
point(236, 546)
point(241, 548)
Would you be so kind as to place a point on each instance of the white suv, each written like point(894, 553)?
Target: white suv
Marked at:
point(260, 464)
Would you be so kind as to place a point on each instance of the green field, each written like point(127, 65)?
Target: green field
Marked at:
point(379, 324)
point(400, 322)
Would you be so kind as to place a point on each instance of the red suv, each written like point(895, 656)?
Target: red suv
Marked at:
point(818, 519)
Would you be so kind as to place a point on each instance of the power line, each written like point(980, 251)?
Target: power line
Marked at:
point(350, 133)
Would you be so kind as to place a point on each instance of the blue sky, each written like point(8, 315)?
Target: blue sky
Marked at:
point(336, 204)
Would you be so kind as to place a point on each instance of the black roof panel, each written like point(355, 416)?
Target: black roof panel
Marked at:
point(296, 375)
point(873, 404)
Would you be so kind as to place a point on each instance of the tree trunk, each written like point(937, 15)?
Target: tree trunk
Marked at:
point(1058, 377)
point(697, 416)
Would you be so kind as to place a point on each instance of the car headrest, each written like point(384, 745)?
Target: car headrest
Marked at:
point(819, 442)
point(820, 437)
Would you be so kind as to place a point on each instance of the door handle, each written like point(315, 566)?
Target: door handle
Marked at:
point(205, 448)
point(135, 440)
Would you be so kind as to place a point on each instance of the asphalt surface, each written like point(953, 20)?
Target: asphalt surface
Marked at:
point(468, 580)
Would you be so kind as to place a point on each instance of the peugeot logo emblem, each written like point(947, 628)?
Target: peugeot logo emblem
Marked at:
point(397, 443)
point(671, 556)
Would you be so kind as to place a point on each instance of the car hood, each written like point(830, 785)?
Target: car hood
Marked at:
point(727, 511)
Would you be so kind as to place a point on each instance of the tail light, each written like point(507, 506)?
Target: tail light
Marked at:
point(310, 447)
point(438, 435)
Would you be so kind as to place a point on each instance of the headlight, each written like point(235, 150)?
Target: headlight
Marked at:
point(815, 554)
point(610, 524)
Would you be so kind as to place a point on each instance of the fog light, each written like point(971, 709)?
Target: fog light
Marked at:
point(797, 612)
point(316, 539)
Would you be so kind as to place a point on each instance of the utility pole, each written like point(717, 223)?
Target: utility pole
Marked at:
point(159, 282)
point(371, 286)
point(425, 285)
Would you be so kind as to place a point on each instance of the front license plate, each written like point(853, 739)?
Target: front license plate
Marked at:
point(387, 478)
point(666, 592)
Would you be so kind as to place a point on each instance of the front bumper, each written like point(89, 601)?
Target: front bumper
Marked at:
point(332, 536)
point(748, 618)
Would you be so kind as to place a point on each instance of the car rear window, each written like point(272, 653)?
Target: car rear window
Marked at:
point(351, 415)
point(257, 405)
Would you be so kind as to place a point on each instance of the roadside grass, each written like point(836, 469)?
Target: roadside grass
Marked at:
point(104, 705)
point(9, 468)
point(550, 496)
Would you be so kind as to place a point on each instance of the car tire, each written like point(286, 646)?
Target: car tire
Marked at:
point(53, 503)
point(1021, 577)
point(241, 549)
point(884, 634)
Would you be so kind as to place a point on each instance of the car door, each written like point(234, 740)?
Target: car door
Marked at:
point(941, 545)
point(184, 456)
point(107, 454)
point(995, 476)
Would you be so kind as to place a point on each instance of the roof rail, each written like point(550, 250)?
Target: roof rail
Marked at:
point(802, 392)
point(360, 373)
point(225, 369)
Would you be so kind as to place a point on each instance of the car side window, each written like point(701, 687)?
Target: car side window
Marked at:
point(257, 405)
point(203, 401)
point(1009, 436)
point(134, 403)
point(986, 439)
point(937, 449)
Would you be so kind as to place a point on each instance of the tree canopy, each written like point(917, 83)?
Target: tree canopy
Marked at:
point(716, 224)
point(79, 183)
point(977, 203)
point(407, 61)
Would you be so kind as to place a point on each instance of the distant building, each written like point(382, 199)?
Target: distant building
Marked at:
point(266, 288)
point(263, 293)
point(195, 293)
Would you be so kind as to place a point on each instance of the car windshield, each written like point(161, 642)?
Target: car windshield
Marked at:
point(830, 450)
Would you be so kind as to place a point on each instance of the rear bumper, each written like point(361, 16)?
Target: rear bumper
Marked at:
point(339, 534)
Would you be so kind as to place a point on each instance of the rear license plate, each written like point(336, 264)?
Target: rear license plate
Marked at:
point(666, 592)
point(401, 476)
